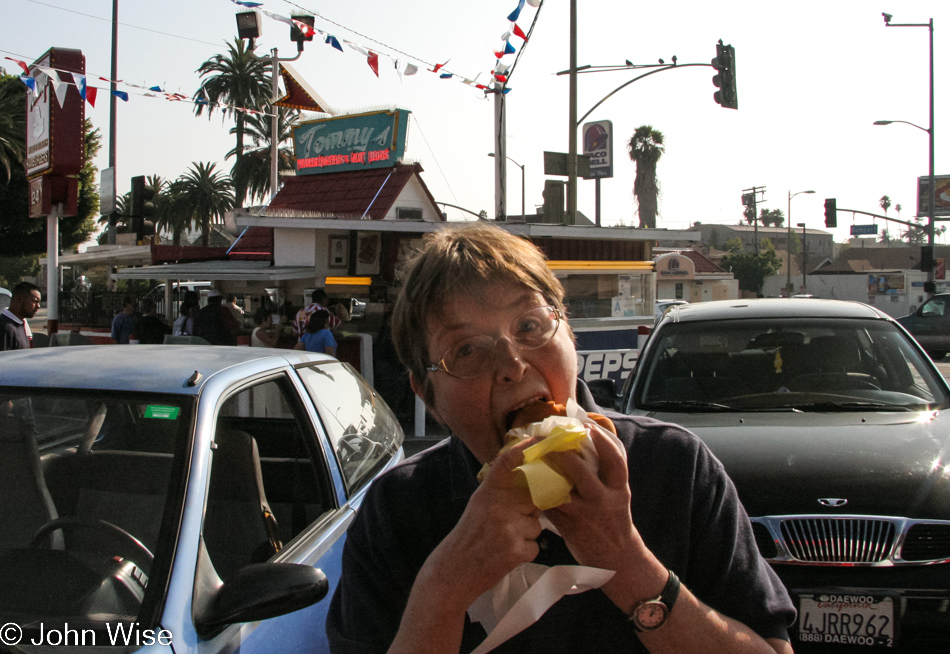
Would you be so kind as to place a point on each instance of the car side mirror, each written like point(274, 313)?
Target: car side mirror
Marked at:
point(604, 392)
point(260, 591)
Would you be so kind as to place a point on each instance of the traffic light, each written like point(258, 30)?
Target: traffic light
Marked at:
point(831, 212)
point(143, 206)
point(725, 77)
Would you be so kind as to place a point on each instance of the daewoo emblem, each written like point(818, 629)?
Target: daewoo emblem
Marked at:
point(832, 501)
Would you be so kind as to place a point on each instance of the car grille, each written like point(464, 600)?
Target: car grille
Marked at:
point(852, 540)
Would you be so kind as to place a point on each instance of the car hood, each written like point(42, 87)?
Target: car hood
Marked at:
point(895, 464)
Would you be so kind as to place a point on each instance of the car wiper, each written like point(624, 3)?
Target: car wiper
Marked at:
point(853, 406)
point(687, 405)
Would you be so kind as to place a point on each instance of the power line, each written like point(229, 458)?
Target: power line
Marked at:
point(109, 20)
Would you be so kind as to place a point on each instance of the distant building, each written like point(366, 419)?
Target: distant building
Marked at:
point(819, 244)
point(684, 274)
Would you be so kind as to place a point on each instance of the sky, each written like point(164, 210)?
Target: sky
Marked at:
point(812, 77)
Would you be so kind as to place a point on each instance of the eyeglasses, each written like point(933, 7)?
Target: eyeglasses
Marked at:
point(475, 355)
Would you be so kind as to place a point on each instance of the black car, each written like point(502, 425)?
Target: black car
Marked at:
point(930, 325)
point(832, 423)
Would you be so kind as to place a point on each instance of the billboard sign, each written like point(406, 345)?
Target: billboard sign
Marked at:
point(357, 142)
point(599, 146)
point(55, 113)
point(942, 203)
point(888, 284)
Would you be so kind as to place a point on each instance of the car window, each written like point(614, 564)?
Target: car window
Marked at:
point(765, 364)
point(91, 485)
point(933, 307)
point(269, 480)
point(362, 429)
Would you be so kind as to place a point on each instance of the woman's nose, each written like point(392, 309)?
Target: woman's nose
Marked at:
point(509, 365)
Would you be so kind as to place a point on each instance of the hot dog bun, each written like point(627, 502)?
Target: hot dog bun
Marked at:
point(538, 411)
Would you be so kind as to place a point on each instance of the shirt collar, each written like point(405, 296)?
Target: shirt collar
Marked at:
point(9, 314)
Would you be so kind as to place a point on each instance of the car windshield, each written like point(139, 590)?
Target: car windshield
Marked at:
point(90, 495)
point(802, 364)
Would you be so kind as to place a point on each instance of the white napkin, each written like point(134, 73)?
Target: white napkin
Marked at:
point(523, 596)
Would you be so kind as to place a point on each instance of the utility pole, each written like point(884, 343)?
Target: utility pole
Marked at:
point(750, 200)
point(110, 234)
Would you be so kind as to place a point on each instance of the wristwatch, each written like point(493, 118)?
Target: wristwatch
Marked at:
point(651, 614)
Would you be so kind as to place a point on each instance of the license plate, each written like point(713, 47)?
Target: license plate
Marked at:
point(846, 619)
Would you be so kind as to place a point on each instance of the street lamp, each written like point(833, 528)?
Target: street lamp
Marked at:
point(249, 27)
point(788, 266)
point(523, 215)
point(929, 287)
point(804, 257)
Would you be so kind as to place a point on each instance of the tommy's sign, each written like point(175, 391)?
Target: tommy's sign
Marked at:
point(371, 140)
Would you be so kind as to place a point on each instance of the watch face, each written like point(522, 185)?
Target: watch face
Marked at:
point(651, 615)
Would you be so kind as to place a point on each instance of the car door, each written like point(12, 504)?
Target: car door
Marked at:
point(931, 326)
point(272, 496)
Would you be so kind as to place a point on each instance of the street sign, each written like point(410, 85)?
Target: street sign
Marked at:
point(555, 163)
point(598, 145)
point(863, 230)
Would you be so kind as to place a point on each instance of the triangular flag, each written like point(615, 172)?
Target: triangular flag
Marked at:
point(283, 19)
point(122, 95)
point(501, 68)
point(29, 81)
point(506, 36)
point(501, 78)
point(156, 88)
point(356, 46)
point(445, 76)
point(91, 95)
point(513, 16)
point(373, 61)
point(436, 68)
point(49, 72)
point(21, 64)
point(332, 41)
point(250, 5)
point(60, 90)
point(499, 54)
point(520, 33)
point(506, 91)
point(80, 84)
point(481, 86)
point(509, 49)
point(411, 69)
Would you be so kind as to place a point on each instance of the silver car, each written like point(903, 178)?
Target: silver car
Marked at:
point(180, 498)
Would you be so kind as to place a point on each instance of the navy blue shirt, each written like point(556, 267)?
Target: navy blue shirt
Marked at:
point(12, 333)
point(684, 506)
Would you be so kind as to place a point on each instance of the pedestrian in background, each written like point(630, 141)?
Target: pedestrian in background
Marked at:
point(264, 335)
point(15, 332)
point(318, 338)
point(318, 301)
point(151, 329)
point(215, 323)
point(123, 325)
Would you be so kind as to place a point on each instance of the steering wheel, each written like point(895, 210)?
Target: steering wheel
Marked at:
point(75, 522)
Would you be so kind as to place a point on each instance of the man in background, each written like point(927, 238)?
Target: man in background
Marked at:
point(215, 323)
point(318, 301)
point(15, 332)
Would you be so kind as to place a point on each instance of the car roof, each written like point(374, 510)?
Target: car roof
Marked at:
point(151, 368)
point(771, 308)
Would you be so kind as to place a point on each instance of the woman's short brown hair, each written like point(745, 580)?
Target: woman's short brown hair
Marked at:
point(457, 261)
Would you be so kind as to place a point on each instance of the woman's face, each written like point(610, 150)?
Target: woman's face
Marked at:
point(477, 410)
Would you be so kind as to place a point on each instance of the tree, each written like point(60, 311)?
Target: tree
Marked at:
point(772, 217)
point(917, 235)
point(734, 245)
point(12, 122)
point(172, 212)
point(207, 195)
point(237, 80)
point(645, 148)
point(886, 238)
point(885, 203)
point(253, 171)
point(751, 269)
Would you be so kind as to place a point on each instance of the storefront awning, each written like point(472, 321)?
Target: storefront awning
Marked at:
point(219, 270)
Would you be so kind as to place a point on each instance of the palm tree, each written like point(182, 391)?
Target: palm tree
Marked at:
point(237, 80)
point(208, 196)
point(885, 203)
point(646, 148)
point(12, 122)
point(172, 213)
point(253, 171)
point(886, 237)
